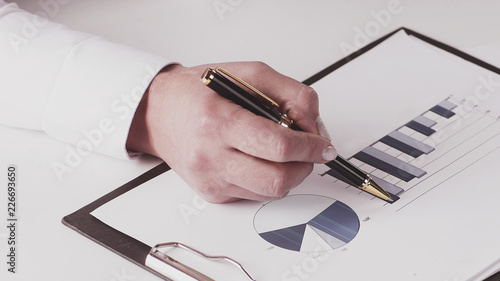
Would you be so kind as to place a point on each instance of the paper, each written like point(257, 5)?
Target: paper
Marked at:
point(443, 227)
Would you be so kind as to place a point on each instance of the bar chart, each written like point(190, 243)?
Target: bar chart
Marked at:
point(420, 148)
point(414, 153)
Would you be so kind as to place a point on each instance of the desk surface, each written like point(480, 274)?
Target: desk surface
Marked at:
point(295, 37)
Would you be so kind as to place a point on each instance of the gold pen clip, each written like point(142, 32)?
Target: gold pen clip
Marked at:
point(207, 77)
point(248, 86)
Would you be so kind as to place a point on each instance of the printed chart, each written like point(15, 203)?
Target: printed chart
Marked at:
point(307, 223)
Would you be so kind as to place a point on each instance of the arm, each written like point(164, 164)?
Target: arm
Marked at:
point(225, 152)
point(86, 91)
point(78, 88)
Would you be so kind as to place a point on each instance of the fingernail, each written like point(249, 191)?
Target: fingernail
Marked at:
point(322, 129)
point(329, 153)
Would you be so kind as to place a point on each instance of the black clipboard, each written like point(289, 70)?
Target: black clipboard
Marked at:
point(120, 243)
point(136, 251)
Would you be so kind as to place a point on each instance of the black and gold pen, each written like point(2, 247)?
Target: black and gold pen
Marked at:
point(224, 83)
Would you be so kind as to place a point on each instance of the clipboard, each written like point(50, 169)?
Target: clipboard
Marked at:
point(129, 248)
point(137, 252)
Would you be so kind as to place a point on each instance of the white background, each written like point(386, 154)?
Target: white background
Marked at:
point(295, 37)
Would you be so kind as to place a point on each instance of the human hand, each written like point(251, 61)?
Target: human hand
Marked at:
point(225, 152)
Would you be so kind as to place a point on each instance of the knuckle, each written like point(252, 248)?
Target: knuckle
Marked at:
point(308, 96)
point(283, 179)
point(197, 161)
point(308, 93)
point(258, 66)
point(210, 198)
point(209, 192)
point(279, 185)
point(283, 147)
point(256, 69)
point(233, 169)
point(214, 193)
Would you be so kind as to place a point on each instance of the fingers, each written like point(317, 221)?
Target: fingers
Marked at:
point(262, 138)
point(265, 139)
point(226, 152)
point(299, 101)
point(251, 178)
point(232, 193)
point(266, 178)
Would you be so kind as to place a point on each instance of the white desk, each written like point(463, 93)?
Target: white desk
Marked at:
point(295, 37)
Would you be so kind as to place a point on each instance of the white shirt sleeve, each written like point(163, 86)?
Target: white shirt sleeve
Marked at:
point(78, 88)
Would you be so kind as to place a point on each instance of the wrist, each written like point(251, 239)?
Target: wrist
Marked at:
point(144, 125)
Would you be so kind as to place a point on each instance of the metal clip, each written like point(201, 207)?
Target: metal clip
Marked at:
point(195, 275)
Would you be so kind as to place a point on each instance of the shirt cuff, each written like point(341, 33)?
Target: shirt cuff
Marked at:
point(96, 95)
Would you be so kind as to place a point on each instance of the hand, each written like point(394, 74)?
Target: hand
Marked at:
point(225, 152)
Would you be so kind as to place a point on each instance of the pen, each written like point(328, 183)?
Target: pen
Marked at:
point(224, 84)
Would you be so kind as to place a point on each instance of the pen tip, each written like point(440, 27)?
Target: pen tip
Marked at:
point(390, 199)
point(379, 191)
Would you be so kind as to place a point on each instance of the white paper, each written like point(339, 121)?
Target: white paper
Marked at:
point(444, 226)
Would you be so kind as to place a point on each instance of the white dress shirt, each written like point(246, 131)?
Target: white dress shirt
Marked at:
point(78, 88)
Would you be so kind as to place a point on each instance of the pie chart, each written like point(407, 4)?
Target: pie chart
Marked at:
point(306, 223)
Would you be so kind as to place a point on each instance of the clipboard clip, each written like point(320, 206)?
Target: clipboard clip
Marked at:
point(188, 272)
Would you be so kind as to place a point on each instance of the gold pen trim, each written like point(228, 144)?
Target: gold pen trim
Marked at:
point(285, 121)
point(248, 86)
point(366, 183)
point(207, 76)
point(370, 186)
